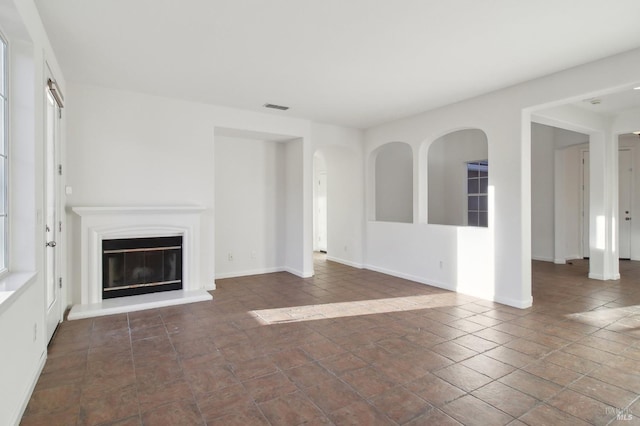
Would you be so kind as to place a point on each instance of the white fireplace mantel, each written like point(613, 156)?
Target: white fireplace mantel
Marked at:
point(101, 223)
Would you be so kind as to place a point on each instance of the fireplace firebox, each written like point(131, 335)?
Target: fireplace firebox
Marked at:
point(134, 266)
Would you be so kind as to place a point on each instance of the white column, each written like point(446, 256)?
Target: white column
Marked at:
point(603, 181)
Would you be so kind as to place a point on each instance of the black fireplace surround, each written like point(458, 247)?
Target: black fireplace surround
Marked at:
point(134, 266)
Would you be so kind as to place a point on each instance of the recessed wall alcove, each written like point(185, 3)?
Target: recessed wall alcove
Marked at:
point(392, 165)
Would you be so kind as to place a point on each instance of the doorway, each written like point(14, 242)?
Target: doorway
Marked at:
point(625, 180)
point(625, 202)
point(53, 223)
point(320, 219)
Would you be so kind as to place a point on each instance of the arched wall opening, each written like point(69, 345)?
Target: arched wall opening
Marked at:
point(457, 169)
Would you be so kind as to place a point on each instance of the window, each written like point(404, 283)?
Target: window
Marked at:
point(477, 188)
point(3, 155)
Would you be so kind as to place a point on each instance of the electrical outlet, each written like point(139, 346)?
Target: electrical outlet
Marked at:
point(441, 264)
point(254, 254)
point(230, 257)
point(35, 331)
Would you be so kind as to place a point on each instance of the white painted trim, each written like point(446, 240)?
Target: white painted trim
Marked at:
point(345, 262)
point(100, 223)
point(140, 302)
point(560, 261)
point(249, 272)
point(298, 273)
point(604, 278)
point(119, 210)
point(25, 399)
point(574, 257)
point(543, 258)
point(415, 278)
point(13, 285)
point(520, 304)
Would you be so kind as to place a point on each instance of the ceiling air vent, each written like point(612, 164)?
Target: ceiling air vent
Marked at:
point(273, 106)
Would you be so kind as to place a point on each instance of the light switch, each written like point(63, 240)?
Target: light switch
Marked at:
point(68, 190)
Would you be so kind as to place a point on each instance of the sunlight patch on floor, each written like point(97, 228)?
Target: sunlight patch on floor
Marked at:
point(626, 317)
point(355, 308)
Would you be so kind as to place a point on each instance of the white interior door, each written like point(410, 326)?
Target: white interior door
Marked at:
point(624, 203)
point(52, 218)
point(321, 213)
point(585, 204)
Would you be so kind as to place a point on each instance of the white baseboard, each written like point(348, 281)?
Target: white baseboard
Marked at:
point(420, 280)
point(543, 258)
point(521, 304)
point(298, 273)
point(25, 399)
point(602, 277)
point(345, 262)
point(246, 273)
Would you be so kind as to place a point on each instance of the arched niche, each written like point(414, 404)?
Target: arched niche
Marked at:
point(393, 182)
point(457, 179)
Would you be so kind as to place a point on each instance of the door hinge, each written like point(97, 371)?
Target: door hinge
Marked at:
point(59, 112)
point(60, 169)
point(60, 282)
point(60, 226)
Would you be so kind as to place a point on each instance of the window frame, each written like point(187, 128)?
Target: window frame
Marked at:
point(4, 158)
point(475, 184)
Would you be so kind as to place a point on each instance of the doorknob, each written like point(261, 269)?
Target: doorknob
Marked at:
point(51, 244)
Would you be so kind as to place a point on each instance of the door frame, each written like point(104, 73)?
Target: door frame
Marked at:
point(630, 155)
point(53, 312)
point(584, 228)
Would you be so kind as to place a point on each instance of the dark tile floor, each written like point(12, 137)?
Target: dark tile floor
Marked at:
point(353, 346)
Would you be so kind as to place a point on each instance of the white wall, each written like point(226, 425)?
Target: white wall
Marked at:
point(542, 192)
point(22, 316)
point(132, 150)
point(447, 174)
point(294, 214)
point(250, 206)
point(571, 205)
point(143, 136)
point(394, 183)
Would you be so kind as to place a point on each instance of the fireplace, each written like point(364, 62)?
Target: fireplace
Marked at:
point(134, 266)
point(141, 256)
